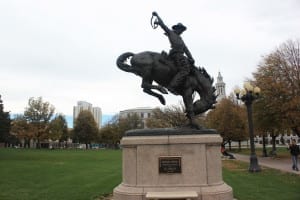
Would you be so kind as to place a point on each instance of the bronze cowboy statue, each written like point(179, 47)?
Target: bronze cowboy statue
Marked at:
point(176, 54)
point(174, 72)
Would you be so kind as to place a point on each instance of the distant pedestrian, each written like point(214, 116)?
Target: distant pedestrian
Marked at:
point(225, 153)
point(295, 151)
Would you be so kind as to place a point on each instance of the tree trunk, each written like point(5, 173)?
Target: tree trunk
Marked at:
point(240, 145)
point(27, 143)
point(229, 143)
point(38, 145)
point(273, 152)
point(265, 154)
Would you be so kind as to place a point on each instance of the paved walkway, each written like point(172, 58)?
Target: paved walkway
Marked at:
point(282, 164)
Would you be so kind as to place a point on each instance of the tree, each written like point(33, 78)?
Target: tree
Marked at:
point(112, 132)
point(266, 121)
point(130, 122)
point(85, 129)
point(171, 116)
point(4, 125)
point(278, 76)
point(23, 130)
point(58, 128)
point(38, 114)
point(229, 119)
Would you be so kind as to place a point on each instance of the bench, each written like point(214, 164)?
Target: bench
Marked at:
point(188, 195)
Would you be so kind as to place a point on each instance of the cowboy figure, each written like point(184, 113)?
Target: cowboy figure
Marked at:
point(177, 52)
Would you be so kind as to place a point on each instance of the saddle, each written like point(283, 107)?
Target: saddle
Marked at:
point(165, 59)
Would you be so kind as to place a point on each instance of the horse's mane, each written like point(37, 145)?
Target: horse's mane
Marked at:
point(204, 72)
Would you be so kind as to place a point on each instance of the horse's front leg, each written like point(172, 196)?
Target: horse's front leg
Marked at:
point(147, 86)
point(188, 102)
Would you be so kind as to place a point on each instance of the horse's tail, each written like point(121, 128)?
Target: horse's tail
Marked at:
point(206, 91)
point(122, 65)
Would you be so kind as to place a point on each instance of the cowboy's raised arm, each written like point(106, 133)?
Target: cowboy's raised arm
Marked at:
point(161, 23)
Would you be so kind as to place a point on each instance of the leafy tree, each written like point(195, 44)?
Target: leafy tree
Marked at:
point(23, 130)
point(266, 121)
point(85, 129)
point(4, 125)
point(130, 122)
point(278, 75)
point(229, 119)
point(112, 132)
point(38, 114)
point(171, 116)
point(58, 128)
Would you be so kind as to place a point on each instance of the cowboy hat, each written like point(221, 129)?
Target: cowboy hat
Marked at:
point(179, 26)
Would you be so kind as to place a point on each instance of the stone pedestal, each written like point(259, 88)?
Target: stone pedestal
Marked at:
point(196, 172)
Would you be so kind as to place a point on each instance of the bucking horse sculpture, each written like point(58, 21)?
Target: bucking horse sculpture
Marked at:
point(162, 68)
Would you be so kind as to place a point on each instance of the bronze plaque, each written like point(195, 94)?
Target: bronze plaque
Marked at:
point(169, 164)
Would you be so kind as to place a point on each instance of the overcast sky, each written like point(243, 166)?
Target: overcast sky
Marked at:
point(65, 50)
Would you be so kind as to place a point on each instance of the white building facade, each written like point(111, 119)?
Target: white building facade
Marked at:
point(142, 112)
point(83, 105)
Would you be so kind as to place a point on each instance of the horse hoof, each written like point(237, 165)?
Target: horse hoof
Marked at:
point(195, 125)
point(162, 101)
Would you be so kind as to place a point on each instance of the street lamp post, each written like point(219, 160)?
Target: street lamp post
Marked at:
point(248, 95)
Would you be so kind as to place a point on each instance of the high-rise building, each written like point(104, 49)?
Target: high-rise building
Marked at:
point(220, 88)
point(83, 105)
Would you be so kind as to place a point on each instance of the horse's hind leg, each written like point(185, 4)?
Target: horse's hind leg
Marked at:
point(147, 86)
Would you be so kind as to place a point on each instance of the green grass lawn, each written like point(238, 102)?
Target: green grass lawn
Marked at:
point(83, 175)
point(269, 184)
point(282, 152)
point(58, 174)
